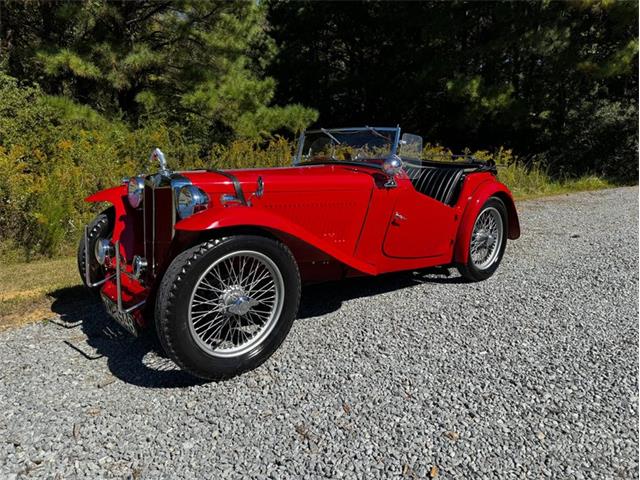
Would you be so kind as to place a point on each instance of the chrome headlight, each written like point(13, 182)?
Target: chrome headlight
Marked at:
point(103, 250)
point(190, 200)
point(135, 191)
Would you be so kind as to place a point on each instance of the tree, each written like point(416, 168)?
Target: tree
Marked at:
point(555, 81)
point(198, 64)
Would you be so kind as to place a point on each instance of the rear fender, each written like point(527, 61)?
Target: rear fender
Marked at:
point(478, 198)
point(250, 217)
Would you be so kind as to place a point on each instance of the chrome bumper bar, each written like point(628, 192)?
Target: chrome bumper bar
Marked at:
point(87, 275)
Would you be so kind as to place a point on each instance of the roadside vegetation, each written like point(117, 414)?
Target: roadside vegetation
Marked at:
point(87, 89)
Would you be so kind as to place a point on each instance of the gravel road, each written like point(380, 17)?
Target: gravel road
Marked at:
point(533, 373)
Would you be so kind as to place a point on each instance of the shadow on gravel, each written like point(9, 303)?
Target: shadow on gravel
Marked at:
point(137, 361)
point(140, 361)
point(325, 298)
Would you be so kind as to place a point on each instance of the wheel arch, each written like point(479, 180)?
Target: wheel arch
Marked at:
point(114, 196)
point(482, 193)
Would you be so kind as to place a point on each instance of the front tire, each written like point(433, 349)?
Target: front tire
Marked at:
point(487, 243)
point(226, 305)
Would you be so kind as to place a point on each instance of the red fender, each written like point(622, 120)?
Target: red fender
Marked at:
point(256, 217)
point(480, 195)
point(116, 197)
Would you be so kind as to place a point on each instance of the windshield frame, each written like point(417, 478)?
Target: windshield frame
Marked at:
point(330, 131)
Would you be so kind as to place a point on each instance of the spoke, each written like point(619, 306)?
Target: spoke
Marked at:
point(266, 285)
point(231, 273)
point(253, 273)
point(213, 301)
point(228, 281)
point(257, 279)
point(262, 294)
point(217, 276)
point(207, 286)
point(213, 333)
point(199, 318)
point(243, 264)
point(205, 327)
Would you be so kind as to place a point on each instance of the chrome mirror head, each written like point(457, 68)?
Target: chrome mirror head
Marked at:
point(392, 165)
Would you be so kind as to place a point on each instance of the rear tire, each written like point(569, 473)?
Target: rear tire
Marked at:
point(226, 305)
point(487, 243)
point(100, 227)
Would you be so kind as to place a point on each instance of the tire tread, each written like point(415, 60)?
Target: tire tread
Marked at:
point(169, 289)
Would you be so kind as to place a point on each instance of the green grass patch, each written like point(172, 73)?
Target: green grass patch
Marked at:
point(532, 183)
point(27, 289)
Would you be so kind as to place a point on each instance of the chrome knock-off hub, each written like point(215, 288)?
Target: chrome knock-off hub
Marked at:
point(236, 302)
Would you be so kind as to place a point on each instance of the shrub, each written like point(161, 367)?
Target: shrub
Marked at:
point(54, 153)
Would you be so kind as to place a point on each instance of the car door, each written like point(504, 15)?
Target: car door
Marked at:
point(419, 225)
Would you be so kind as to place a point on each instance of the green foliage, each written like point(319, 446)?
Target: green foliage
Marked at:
point(87, 88)
point(523, 180)
point(555, 81)
point(54, 153)
point(196, 64)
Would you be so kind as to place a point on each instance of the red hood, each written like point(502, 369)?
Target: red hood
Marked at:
point(287, 179)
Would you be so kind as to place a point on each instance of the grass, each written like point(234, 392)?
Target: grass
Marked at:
point(29, 289)
point(535, 183)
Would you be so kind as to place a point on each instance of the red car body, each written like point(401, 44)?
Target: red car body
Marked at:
point(337, 218)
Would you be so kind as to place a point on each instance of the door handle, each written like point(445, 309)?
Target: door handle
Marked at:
point(397, 218)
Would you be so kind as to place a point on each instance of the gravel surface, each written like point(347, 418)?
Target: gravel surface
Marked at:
point(533, 373)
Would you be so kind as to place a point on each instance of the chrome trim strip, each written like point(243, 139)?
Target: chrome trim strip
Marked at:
point(87, 270)
point(236, 184)
point(144, 222)
point(109, 277)
point(131, 309)
point(87, 277)
point(118, 281)
point(153, 232)
point(177, 182)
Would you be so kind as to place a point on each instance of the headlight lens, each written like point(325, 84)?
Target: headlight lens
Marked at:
point(135, 191)
point(191, 200)
point(103, 250)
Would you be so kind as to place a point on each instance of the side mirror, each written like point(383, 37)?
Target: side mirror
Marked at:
point(392, 165)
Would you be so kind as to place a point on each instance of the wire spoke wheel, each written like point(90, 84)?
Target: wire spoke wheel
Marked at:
point(236, 303)
point(486, 239)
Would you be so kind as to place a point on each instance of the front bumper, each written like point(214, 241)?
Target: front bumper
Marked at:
point(122, 294)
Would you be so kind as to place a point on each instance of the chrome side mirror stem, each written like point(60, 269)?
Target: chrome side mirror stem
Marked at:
point(392, 167)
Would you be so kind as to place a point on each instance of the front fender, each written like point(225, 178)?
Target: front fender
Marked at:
point(479, 196)
point(255, 217)
point(116, 197)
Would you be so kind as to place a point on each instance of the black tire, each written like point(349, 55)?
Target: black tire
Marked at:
point(469, 270)
point(174, 297)
point(100, 227)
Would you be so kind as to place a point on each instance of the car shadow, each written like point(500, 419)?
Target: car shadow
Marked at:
point(141, 361)
point(321, 299)
point(135, 360)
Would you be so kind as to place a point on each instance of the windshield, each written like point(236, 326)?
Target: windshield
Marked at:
point(347, 145)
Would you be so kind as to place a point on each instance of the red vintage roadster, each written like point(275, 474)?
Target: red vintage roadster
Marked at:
point(216, 258)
